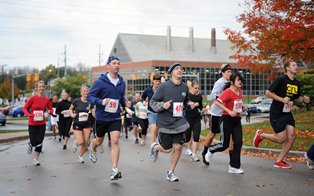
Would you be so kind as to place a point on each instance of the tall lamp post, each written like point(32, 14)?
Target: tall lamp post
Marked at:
point(50, 70)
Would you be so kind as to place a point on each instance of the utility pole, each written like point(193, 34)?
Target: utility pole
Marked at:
point(12, 88)
point(65, 60)
point(58, 65)
point(2, 70)
point(99, 56)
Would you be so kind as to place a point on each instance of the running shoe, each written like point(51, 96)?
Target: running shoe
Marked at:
point(115, 174)
point(60, 139)
point(143, 143)
point(29, 148)
point(233, 170)
point(188, 151)
point(92, 156)
point(80, 159)
point(36, 162)
point(208, 156)
point(309, 162)
point(171, 176)
point(153, 152)
point(282, 164)
point(204, 160)
point(74, 147)
point(136, 141)
point(194, 158)
point(257, 138)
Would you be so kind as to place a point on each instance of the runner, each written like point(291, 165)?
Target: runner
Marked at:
point(309, 155)
point(152, 116)
point(216, 112)
point(194, 118)
point(65, 120)
point(230, 101)
point(168, 101)
point(141, 118)
point(107, 93)
point(35, 108)
point(127, 124)
point(136, 98)
point(284, 90)
point(54, 117)
point(79, 111)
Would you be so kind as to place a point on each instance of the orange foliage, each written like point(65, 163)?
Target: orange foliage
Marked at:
point(280, 29)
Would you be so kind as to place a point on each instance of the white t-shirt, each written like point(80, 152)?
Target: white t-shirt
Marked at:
point(114, 81)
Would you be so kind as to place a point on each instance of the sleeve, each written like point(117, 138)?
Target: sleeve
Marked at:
point(201, 103)
point(92, 94)
point(49, 106)
point(156, 102)
point(27, 105)
point(215, 92)
point(58, 108)
point(144, 96)
point(224, 97)
point(275, 85)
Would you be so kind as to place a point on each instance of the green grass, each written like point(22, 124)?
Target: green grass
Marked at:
point(11, 131)
point(304, 130)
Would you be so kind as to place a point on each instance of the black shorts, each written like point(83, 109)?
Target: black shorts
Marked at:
point(166, 140)
point(103, 127)
point(81, 126)
point(279, 122)
point(134, 120)
point(215, 123)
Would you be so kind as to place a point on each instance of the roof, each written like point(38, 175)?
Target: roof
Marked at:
point(137, 47)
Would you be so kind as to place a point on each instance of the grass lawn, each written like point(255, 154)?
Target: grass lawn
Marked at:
point(304, 132)
point(11, 131)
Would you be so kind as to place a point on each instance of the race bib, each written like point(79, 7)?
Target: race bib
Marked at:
point(287, 107)
point(83, 116)
point(38, 115)
point(54, 111)
point(143, 115)
point(237, 106)
point(112, 106)
point(66, 113)
point(177, 109)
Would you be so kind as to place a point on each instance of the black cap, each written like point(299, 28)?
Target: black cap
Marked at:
point(174, 65)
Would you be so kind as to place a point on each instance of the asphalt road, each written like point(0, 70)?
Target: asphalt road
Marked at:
point(60, 175)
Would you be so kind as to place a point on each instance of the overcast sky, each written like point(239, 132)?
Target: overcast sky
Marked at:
point(34, 32)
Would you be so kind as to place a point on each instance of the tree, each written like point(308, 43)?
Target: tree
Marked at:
point(306, 79)
point(72, 85)
point(6, 89)
point(274, 30)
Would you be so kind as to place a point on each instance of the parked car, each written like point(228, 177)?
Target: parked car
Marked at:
point(263, 107)
point(5, 110)
point(252, 108)
point(3, 119)
point(258, 100)
point(16, 112)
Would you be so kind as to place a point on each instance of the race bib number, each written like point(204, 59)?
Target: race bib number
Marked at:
point(177, 109)
point(112, 106)
point(287, 107)
point(66, 113)
point(38, 115)
point(54, 111)
point(83, 116)
point(143, 115)
point(237, 106)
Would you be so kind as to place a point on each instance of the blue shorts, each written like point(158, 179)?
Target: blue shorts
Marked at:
point(152, 117)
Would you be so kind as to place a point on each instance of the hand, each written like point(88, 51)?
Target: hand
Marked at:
point(167, 105)
point(73, 115)
point(306, 99)
point(285, 100)
point(192, 105)
point(105, 101)
point(232, 113)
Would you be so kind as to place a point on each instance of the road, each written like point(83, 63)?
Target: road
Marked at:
point(59, 174)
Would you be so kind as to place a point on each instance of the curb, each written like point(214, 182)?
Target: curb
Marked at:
point(273, 151)
point(18, 138)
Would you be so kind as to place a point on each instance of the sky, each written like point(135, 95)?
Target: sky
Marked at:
point(34, 33)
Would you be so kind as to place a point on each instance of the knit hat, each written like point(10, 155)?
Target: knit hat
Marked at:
point(111, 58)
point(171, 68)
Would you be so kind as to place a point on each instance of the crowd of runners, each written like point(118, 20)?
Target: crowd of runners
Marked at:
point(172, 111)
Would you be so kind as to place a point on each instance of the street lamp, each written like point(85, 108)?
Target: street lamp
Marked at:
point(50, 70)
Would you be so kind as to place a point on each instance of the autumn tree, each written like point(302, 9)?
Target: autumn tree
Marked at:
point(274, 30)
point(6, 89)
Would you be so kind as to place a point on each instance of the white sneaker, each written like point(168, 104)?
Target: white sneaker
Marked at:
point(208, 156)
point(233, 170)
point(80, 159)
point(143, 142)
point(74, 147)
point(115, 174)
point(171, 176)
point(36, 162)
point(188, 151)
point(309, 162)
point(194, 158)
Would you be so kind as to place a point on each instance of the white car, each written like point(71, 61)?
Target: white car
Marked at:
point(263, 107)
point(258, 100)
